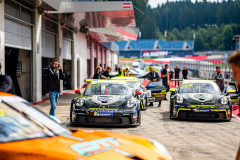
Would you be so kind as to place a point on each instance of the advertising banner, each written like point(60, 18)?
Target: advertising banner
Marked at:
point(156, 53)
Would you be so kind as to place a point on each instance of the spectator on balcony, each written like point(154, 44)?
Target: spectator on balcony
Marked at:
point(185, 72)
point(219, 77)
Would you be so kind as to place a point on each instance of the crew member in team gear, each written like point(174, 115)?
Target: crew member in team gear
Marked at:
point(117, 69)
point(219, 77)
point(234, 61)
point(124, 72)
point(98, 74)
point(51, 84)
point(171, 74)
point(106, 73)
point(165, 78)
point(153, 77)
point(176, 74)
point(184, 72)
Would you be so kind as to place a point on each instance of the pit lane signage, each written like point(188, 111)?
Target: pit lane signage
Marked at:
point(156, 53)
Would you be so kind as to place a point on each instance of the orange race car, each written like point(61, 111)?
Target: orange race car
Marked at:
point(27, 133)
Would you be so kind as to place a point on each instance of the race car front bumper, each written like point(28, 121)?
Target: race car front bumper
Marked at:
point(106, 117)
point(202, 114)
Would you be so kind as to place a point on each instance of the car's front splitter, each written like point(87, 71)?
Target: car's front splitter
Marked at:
point(204, 114)
point(120, 117)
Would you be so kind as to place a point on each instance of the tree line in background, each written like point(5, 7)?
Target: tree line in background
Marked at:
point(214, 24)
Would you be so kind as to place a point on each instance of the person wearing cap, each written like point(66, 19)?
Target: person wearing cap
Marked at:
point(124, 72)
point(106, 73)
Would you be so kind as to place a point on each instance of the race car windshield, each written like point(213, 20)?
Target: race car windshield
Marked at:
point(107, 89)
point(134, 85)
point(20, 121)
point(210, 88)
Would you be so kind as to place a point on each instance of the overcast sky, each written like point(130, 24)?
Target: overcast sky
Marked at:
point(154, 3)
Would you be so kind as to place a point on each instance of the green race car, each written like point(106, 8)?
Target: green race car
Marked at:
point(200, 99)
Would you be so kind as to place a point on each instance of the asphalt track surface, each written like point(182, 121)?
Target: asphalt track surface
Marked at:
point(185, 140)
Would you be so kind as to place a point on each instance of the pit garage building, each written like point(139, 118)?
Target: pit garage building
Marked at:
point(33, 32)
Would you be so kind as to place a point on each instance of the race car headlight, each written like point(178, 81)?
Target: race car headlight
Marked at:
point(130, 103)
point(160, 147)
point(80, 102)
point(224, 100)
point(179, 99)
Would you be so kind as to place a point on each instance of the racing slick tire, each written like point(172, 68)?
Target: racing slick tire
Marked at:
point(139, 118)
point(145, 107)
point(71, 109)
point(171, 111)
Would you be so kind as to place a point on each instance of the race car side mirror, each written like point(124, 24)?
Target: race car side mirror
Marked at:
point(138, 92)
point(78, 91)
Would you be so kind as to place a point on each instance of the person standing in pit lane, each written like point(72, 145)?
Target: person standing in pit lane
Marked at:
point(97, 74)
point(219, 77)
point(106, 73)
point(51, 83)
point(124, 72)
point(6, 84)
point(234, 61)
point(153, 77)
point(176, 74)
point(117, 69)
point(165, 78)
point(184, 72)
point(171, 74)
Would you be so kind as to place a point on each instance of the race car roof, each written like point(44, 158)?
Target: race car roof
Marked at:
point(108, 81)
point(116, 79)
point(197, 81)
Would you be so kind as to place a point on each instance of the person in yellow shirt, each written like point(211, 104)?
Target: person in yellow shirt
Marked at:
point(124, 72)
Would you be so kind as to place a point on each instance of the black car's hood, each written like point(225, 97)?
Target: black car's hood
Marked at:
point(195, 98)
point(105, 101)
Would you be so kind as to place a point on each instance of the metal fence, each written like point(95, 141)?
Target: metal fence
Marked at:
point(206, 64)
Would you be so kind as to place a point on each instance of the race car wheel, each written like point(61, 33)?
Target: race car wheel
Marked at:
point(139, 118)
point(146, 104)
point(71, 109)
point(171, 111)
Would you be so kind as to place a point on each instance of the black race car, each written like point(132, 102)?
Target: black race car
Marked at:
point(106, 103)
point(200, 99)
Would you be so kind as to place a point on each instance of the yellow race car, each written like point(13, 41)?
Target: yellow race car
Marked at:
point(27, 133)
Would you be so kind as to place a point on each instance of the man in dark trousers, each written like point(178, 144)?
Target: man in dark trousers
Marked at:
point(219, 77)
point(153, 77)
point(176, 74)
point(165, 78)
point(51, 83)
point(185, 72)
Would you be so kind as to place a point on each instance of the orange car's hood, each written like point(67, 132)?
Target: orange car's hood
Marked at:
point(84, 144)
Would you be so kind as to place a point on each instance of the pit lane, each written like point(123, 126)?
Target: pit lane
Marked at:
point(185, 140)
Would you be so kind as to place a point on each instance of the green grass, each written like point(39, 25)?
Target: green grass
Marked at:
point(155, 69)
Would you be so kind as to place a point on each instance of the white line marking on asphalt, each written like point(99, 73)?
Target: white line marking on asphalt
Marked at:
point(236, 117)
